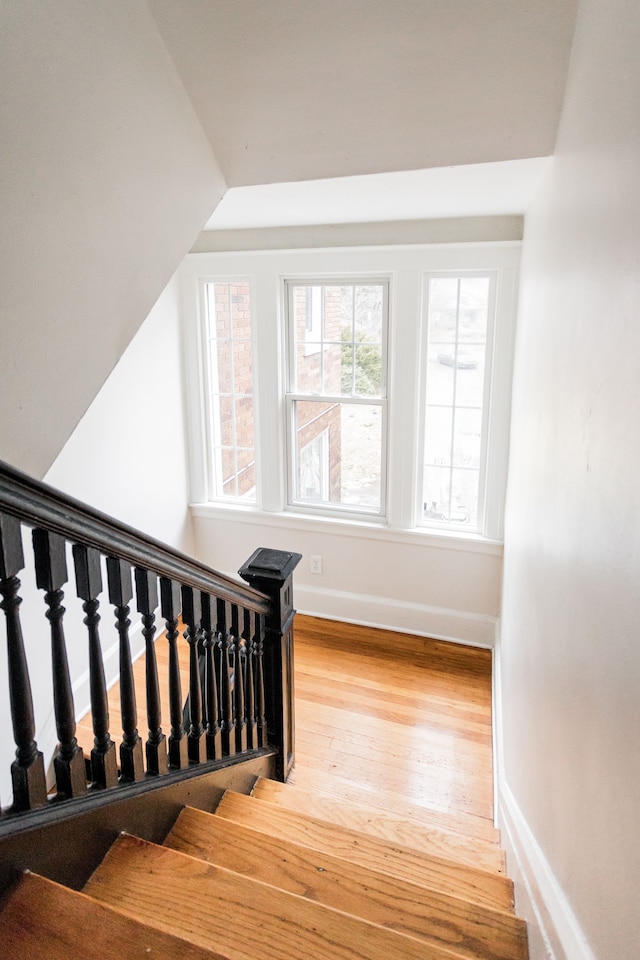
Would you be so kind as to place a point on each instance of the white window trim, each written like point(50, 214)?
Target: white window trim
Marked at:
point(406, 266)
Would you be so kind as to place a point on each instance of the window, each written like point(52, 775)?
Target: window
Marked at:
point(458, 372)
point(354, 386)
point(313, 468)
point(336, 348)
point(229, 378)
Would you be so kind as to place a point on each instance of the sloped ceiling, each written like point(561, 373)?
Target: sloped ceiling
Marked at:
point(290, 90)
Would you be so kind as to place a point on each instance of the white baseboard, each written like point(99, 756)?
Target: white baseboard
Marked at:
point(539, 897)
point(554, 931)
point(440, 623)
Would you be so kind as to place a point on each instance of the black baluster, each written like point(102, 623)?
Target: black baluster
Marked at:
point(156, 745)
point(261, 710)
point(171, 607)
point(226, 694)
point(211, 710)
point(27, 770)
point(249, 682)
point(192, 616)
point(120, 595)
point(104, 765)
point(238, 681)
point(51, 575)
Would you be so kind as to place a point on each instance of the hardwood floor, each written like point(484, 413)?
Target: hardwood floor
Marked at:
point(396, 722)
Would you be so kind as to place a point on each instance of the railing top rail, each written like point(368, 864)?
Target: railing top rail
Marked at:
point(37, 504)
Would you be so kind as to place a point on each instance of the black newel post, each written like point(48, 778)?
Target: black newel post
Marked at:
point(271, 572)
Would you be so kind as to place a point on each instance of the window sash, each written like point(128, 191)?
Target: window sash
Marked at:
point(457, 353)
point(229, 405)
point(362, 404)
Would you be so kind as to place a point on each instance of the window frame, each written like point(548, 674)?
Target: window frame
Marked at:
point(405, 266)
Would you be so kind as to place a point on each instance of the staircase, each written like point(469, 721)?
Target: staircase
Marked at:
point(280, 874)
point(290, 872)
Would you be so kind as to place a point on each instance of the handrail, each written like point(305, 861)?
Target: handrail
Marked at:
point(36, 503)
point(239, 647)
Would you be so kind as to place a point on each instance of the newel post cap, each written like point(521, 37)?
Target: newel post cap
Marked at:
point(267, 564)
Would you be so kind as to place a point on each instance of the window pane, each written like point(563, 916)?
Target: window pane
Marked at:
point(333, 313)
point(361, 455)
point(470, 375)
point(230, 375)
point(338, 450)
point(450, 496)
point(368, 370)
point(436, 492)
point(369, 303)
point(338, 332)
point(439, 430)
point(466, 438)
point(474, 299)
point(332, 371)
point(443, 309)
point(464, 498)
point(308, 373)
point(440, 380)
point(455, 391)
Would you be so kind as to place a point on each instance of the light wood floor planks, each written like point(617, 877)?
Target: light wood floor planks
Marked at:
point(396, 722)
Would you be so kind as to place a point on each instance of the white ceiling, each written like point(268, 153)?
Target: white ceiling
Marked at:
point(324, 90)
point(484, 189)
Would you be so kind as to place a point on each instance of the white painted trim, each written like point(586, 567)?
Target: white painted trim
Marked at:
point(369, 529)
point(554, 931)
point(560, 930)
point(438, 623)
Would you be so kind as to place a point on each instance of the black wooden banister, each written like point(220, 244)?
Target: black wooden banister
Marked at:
point(236, 639)
point(36, 504)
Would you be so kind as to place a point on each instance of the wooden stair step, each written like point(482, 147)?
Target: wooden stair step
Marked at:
point(472, 931)
point(478, 886)
point(42, 920)
point(383, 798)
point(386, 826)
point(238, 916)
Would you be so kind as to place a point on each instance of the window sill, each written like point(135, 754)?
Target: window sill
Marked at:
point(363, 529)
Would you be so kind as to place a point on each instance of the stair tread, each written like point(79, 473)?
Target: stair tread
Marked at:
point(244, 918)
point(436, 840)
point(385, 798)
point(473, 931)
point(479, 886)
point(42, 920)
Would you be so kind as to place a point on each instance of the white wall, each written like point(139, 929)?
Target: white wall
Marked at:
point(569, 652)
point(392, 574)
point(127, 457)
point(401, 581)
point(107, 179)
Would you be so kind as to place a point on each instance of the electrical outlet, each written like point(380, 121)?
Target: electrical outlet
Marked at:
point(315, 564)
